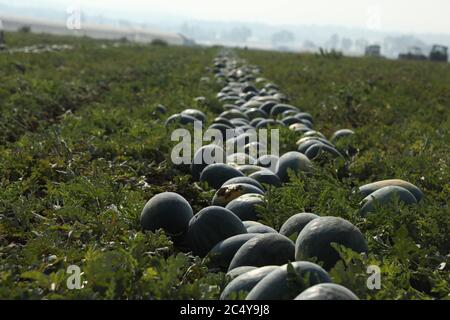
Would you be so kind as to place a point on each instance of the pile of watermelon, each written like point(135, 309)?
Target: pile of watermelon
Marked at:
point(260, 262)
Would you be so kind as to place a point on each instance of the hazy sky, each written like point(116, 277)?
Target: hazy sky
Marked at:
point(425, 16)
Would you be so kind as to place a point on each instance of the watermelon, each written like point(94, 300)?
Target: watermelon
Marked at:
point(217, 174)
point(168, 211)
point(316, 149)
point(313, 133)
point(290, 120)
point(265, 249)
point(255, 149)
point(294, 161)
point(249, 169)
point(261, 229)
point(368, 189)
point(245, 206)
point(232, 274)
point(327, 291)
point(222, 128)
point(267, 161)
point(249, 223)
point(181, 119)
point(204, 156)
point(384, 197)
point(255, 121)
point(296, 223)
point(254, 113)
point(240, 159)
point(280, 108)
point(224, 121)
point(269, 122)
point(233, 114)
point(267, 106)
point(225, 195)
point(210, 226)
point(305, 115)
point(197, 114)
point(221, 254)
point(306, 144)
point(340, 134)
point(266, 177)
point(246, 281)
point(317, 236)
point(245, 180)
point(286, 282)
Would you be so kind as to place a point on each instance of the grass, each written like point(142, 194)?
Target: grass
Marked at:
point(82, 149)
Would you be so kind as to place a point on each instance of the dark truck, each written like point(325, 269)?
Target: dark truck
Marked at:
point(437, 53)
point(373, 51)
point(415, 53)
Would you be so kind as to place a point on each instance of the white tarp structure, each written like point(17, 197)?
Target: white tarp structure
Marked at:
point(96, 31)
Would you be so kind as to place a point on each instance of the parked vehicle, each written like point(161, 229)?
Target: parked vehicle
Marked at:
point(439, 53)
point(415, 53)
point(373, 51)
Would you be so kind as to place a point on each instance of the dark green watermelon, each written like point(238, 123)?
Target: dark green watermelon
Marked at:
point(296, 223)
point(317, 236)
point(217, 174)
point(221, 255)
point(250, 223)
point(266, 177)
point(210, 226)
point(295, 161)
point(168, 211)
point(204, 156)
point(263, 250)
point(246, 281)
point(384, 197)
point(261, 229)
point(370, 188)
point(245, 206)
point(233, 274)
point(327, 291)
point(288, 281)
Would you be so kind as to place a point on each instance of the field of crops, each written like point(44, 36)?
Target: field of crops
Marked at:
point(84, 146)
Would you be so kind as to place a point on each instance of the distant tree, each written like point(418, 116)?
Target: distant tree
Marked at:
point(25, 29)
point(159, 42)
point(124, 23)
point(346, 44)
point(240, 34)
point(361, 45)
point(282, 37)
point(2, 36)
point(395, 45)
point(197, 32)
point(309, 45)
point(186, 29)
point(2, 40)
point(333, 42)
